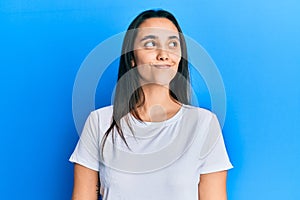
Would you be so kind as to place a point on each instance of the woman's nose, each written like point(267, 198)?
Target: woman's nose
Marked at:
point(162, 55)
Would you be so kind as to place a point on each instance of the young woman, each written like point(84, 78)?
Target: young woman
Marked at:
point(151, 144)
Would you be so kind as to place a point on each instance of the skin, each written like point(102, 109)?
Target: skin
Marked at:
point(157, 52)
point(212, 186)
point(85, 183)
point(157, 55)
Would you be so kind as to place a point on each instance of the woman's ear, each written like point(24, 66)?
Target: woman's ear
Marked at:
point(132, 63)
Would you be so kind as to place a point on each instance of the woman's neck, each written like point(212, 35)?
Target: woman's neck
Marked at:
point(158, 105)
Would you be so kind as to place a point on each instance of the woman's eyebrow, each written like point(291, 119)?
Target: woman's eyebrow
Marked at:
point(173, 37)
point(155, 37)
point(148, 37)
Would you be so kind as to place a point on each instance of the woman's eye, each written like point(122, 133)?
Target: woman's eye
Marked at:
point(150, 44)
point(173, 44)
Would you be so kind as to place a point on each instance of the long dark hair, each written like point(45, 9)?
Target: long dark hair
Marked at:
point(129, 95)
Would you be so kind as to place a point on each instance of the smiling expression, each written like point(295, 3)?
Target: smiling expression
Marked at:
point(157, 51)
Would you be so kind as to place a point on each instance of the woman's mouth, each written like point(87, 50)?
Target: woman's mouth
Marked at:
point(161, 66)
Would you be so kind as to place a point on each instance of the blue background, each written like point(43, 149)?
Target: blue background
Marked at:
point(255, 45)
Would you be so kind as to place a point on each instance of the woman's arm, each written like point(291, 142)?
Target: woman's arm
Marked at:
point(212, 186)
point(85, 183)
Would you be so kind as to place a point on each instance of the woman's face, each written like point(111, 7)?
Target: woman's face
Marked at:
point(157, 51)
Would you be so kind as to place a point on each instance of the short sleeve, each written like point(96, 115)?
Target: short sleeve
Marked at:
point(86, 152)
point(214, 155)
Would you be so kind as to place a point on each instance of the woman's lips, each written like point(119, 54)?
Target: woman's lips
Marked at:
point(162, 66)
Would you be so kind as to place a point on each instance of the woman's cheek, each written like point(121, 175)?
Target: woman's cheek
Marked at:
point(176, 57)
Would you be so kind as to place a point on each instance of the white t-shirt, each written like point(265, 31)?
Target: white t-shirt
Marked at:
point(165, 158)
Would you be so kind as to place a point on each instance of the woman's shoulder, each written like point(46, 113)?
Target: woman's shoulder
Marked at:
point(199, 110)
point(103, 114)
point(104, 110)
point(101, 118)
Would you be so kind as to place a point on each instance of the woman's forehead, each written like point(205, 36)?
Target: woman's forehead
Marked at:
point(159, 30)
point(160, 26)
point(156, 33)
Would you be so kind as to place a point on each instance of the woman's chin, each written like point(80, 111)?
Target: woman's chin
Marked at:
point(162, 80)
